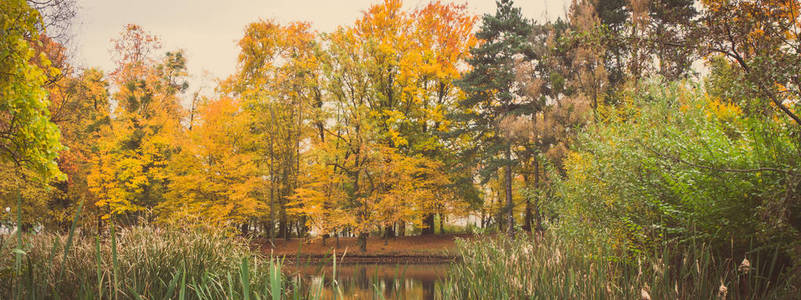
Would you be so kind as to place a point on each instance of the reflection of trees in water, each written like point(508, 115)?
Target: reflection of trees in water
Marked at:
point(428, 290)
point(361, 281)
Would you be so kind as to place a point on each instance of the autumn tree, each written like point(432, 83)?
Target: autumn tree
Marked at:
point(444, 34)
point(214, 179)
point(27, 137)
point(321, 195)
point(79, 106)
point(351, 141)
point(389, 83)
point(411, 60)
point(29, 141)
point(761, 38)
point(278, 82)
point(130, 174)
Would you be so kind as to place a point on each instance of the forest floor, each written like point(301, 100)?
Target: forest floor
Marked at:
point(408, 249)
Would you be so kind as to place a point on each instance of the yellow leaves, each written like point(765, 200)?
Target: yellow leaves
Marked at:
point(392, 187)
point(386, 81)
point(725, 111)
point(397, 139)
point(414, 185)
point(578, 165)
point(214, 179)
point(323, 199)
point(115, 180)
point(271, 55)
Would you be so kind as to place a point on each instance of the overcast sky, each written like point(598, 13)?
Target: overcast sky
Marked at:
point(208, 30)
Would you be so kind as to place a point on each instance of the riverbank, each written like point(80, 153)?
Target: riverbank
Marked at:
point(409, 249)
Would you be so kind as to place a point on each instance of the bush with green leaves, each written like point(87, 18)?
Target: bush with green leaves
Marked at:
point(673, 163)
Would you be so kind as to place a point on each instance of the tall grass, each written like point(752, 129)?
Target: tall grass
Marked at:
point(547, 268)
point(148, 262)
point(140, 263)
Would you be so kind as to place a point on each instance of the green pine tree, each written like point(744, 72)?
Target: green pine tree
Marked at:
point(492, 97)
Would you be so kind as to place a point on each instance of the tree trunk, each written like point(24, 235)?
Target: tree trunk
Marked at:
point(428, 224)
point(499, 218)
point(363, 242)
point(537, 212)
point(272, 180)
point(244, 228)
point(527, 220)
point(269, 229)
point(401, 228)
point(483, 218)
point(389, 231)
point(509, 204)
point(303, 229)
point(283, 226)
point(441, 224)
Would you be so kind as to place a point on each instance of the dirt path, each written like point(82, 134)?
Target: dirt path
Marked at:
point(412, 249)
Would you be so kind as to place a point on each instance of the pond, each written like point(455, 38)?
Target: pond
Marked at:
point(365, 281)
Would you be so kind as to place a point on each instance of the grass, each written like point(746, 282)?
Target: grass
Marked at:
point(154, 263)
point(141, 263)
point(149, 262)
point(137, 263)
point(547, 268)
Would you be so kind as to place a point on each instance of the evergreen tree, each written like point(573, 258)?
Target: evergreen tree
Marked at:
point(492, 97)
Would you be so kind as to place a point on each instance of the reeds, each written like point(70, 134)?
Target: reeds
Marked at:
point(139, 263)
point(148, 262)
point(547, 268)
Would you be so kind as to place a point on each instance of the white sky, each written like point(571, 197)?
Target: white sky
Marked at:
point(208, 30)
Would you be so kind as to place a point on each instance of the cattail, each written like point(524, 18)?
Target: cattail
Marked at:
point(722, 291)
point(658, 266)
point(745, 266)
point(639, 267)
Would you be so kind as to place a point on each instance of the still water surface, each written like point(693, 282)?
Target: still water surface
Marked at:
point(366, 281)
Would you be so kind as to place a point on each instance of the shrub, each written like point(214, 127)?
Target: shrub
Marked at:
point(674, 164)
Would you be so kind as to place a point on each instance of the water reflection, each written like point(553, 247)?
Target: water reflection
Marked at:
point(367, 281)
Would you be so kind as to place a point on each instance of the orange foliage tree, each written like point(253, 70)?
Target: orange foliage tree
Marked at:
point(388, 87)
point(130, 173)
point(214, 180)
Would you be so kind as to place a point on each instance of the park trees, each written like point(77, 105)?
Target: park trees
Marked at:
point(388, 87)
point(761, 38)
point(215, 180)
point(492, 97)
point(79, 106)
point(130, 173)
point(27, 137)
point(29, 141)
point(278, 83)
